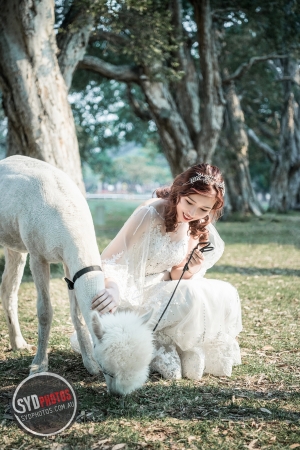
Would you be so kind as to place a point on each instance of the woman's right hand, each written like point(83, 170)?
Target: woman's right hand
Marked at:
point(107, 300)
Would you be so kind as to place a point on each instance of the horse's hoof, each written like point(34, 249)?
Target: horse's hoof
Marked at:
point(21, 344)
point(37, 368)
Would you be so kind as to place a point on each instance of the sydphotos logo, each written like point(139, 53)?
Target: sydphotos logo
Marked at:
point(44, 404)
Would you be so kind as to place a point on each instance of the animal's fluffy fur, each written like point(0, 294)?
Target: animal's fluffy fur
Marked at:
point(42, 212)
point(124, 348)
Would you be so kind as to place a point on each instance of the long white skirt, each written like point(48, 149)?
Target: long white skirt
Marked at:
point(203, 317)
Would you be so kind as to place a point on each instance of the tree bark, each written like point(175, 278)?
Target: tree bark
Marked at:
point(285, 176)
point(243, 197)
point(73, 38)
point(212, 99)
point(40, 121)
point(285, 172)
point(177, 144)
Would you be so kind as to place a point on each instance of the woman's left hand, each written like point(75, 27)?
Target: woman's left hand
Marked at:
point(196, 261)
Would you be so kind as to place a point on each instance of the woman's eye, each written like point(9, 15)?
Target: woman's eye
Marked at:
point(188, 202)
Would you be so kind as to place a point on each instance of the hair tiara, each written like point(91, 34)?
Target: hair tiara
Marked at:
point(207, 179)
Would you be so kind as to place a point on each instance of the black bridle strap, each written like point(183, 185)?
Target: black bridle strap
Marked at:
point(79, 274)
point(207, 248)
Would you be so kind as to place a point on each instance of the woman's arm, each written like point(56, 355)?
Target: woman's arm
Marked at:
point(118, 259)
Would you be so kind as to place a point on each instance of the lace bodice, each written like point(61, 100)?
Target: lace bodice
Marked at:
point(164, 252)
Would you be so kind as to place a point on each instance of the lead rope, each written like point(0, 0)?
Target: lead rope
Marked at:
point(207, 248)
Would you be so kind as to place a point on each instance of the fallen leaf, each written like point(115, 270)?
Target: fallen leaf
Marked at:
point(118, 446)
point(91, 430)
point(251, 445)
point(268, 347)
point(97, 444)
point(265, 410)
point(294, 445)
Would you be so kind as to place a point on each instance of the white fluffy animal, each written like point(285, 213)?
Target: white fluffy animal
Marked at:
point(43, 213)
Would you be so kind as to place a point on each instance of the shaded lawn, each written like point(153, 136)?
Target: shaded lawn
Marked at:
point(258, 407)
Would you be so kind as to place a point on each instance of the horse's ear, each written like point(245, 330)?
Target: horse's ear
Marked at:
point(97, 326)
point(147, 317)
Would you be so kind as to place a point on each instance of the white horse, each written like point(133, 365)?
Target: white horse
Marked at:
point(43, 213)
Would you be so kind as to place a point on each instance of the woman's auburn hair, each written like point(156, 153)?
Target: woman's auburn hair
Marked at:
point(182, 188)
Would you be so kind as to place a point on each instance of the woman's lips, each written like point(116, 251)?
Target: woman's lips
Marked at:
point(186, 217)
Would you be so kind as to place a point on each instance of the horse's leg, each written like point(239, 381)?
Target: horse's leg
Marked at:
point(82, 333)
point(11, 280)
point(41, 274)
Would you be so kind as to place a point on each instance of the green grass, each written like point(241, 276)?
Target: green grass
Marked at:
point(258, 407)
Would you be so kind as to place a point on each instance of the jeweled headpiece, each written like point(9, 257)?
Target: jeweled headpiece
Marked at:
point(207, 179)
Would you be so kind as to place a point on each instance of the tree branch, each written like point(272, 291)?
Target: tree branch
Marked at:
point(101, 35)
point(240, 71)
point(124, 73)
point(262, 145)
point(225, 10)
point(213, 102)
point(288, 79)
point(72, 40)
point(265, 130)
point(140, 111)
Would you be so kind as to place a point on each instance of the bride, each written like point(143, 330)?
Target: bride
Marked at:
point(144, 262)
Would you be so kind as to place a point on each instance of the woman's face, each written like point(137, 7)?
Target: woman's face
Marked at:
point(194, 207)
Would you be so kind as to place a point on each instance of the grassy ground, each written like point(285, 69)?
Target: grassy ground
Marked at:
point(258, 407)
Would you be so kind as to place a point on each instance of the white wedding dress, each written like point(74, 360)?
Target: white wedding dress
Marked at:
point(197, 333)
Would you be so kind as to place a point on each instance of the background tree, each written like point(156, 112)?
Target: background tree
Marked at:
point(40, 122)
point(269, 93)
point(172, 64)
point(162, 66)
point(177, 72)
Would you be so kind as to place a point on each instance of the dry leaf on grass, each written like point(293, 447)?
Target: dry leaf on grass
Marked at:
point(99, 443)
point(252, 444)
point(294, 445)
point(268, 347)
point(265, 410)
point(118, 446)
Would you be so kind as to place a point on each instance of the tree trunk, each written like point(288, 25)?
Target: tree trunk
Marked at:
point(189, 134)
point(40, 121)
point(177, 144)
point(188, 113)
point(285, 176)
point(73, 38)
point(243, 197)
point(212, 100)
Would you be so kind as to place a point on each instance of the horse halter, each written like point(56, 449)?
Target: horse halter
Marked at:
point(78, 274)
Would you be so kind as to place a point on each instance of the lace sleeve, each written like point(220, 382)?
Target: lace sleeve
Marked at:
point(210, 258)
point(124, 259)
